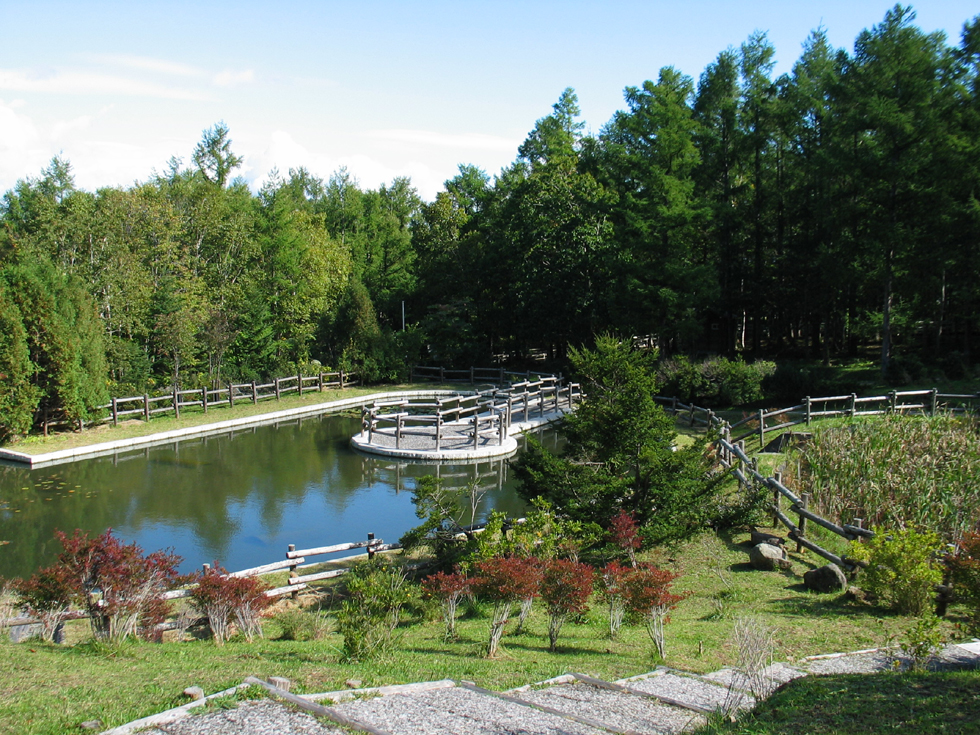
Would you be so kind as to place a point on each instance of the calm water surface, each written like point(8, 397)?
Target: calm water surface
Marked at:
point(239, 499)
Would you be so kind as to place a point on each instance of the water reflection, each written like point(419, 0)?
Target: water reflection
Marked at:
point(239, 498)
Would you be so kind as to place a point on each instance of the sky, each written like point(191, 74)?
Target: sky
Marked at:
point(384, 89)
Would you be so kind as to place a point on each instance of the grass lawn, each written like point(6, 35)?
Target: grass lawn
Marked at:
point(856, 704)
point(51, 689)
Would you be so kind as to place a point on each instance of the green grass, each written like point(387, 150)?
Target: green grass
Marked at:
point(131, 428)
point(51, 689)
point(856, 704)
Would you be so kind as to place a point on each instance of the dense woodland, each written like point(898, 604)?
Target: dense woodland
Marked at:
point(809, 215)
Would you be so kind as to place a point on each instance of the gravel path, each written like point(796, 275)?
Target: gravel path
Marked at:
point(255, 717)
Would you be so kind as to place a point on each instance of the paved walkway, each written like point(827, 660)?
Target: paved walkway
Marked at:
point(658, 702)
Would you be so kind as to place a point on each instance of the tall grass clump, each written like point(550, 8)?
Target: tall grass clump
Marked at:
point(898, 472)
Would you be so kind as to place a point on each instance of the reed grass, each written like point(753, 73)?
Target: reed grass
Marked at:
point(897, 472)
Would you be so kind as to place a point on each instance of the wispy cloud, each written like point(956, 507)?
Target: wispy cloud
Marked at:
point(85, 82)
point(471, 141)
point(229, 78)
point(145, 63)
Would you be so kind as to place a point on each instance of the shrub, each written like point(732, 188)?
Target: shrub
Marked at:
point(376, 593)
point(613, 577)
point(296, 624)
point(646, 595)
point(502, 581)
point(121, 587)
point(222, 598)
point(903, 568)
point(965, 576)
point(565, 588)
point(716, 381)
point(449, 589)
point(625, 534)
point(923, 641)
point(47, 595)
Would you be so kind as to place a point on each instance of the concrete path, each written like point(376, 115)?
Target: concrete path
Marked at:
point(660, 702)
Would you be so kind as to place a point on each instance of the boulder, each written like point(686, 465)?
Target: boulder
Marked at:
point(761, 537)
point(828, 578)
point(768, 558)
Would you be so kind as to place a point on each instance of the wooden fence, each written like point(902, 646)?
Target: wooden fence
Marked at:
point(732, 456)
point(474, 375)
point(174, 401)
point(926, 402)
point(488, 412)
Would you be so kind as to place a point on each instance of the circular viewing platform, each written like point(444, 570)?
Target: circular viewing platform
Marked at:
point(467, 425)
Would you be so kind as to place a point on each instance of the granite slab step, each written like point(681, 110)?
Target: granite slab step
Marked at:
point(691, 691)
point(259, 717)
point(616, 710)
point(458, 710)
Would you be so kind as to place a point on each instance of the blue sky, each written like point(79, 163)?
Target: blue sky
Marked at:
point(384, 88)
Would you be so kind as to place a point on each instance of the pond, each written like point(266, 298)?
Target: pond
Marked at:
point(236, 498)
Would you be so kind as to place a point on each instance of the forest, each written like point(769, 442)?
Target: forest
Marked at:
point(820, 213)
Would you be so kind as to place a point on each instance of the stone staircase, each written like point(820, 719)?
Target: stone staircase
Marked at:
point(662, 701)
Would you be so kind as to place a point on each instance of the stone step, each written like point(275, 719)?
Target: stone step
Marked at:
point(616, 709)
point(690, 690)
point(458, 710)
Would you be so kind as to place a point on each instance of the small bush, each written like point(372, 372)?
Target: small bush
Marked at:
point(502, 581)
point(923, 641)
point(223, 598)
point(376, 593)
point(903, 568)
point(624, 532)
point(565, 588)
point(965, 576)
point(449, 589)
point(121, 587)
point(716, 381)
point(646, 595)
point(296, 624)
point(612, 579)
point(47, 595)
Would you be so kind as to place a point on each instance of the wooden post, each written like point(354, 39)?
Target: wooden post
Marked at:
point(472, 374)
point(527, 400)
point(369, 413)
point(398, 431)
point(476, 429)
point(146, 407)
point(502, 429)
point(341, 379)
point(503, 377)
point(673, 405)
point(370, 546)
point(851, 410)
point(299, 383)
point(690, 420)
point(176, 403)
point(115, 413)
point(231, 395)
point(762, 429)
point(319, 381)
point(442, 374)
point(802, 522)
point(438, 431)
point(204, 398)
point(292, 571)
point(809, 410)
point(933, 400)
point(776, 502)
point(892, 401)
point(859, 522)
point(255, 394)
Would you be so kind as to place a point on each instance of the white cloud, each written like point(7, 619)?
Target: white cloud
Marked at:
point(144, 63)
point(65, 127)
point(228, 78)
point(472, 141)
point(87, 83)
point(21, 148)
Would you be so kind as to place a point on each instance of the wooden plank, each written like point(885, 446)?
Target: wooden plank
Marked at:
point(328, 549)
point(287, 590)
point(319, 710)
point(317, 576)
point(266, 568)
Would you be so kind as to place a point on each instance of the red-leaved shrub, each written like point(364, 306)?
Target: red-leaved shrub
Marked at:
point(565, 588)
point(222, 598)
point(646, 594)
point(47, 595)
point(625, 533)
point(503, 581)
point(120, 586)
point(449, 589)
